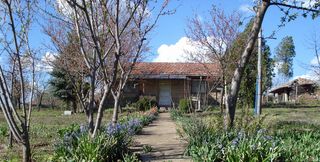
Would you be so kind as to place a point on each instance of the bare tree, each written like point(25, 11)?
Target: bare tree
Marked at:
point(69, 61)
point(214, 38)
point(16, 23)
point(315, 46)
point(232, 93)
point(40, 88)
point(103, 28)
point(133, 45)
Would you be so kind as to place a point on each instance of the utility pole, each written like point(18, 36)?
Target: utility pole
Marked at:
point(257, 108)
point(259, 77)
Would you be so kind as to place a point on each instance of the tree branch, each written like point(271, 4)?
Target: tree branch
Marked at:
point(295, 7)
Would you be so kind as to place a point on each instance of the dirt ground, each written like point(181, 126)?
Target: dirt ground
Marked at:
point(162, 137)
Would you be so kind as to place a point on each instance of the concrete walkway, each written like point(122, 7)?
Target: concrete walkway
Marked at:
point(162, 137)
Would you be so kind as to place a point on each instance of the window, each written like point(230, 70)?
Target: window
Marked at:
point(130, 87)
point(198, 86)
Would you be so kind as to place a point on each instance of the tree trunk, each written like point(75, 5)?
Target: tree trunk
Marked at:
point(19, 104)
point(68, 105)
point(100, 111)
point(14, 102)
point(10, 140)
point(26, 152)
point(119, 106)
point(10, 135)
point(226, 113)
point(89, 114)
point(115, 111)
point(40, 101)
point(74, 106)
point(236, 79)
point(222, 95)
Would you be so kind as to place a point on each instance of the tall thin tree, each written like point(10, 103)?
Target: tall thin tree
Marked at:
point(213, 38)
point(18, 16)
point(285, 52)
point(232, 97)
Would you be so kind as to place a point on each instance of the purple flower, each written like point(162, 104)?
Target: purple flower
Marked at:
point(268, 138)
point(241, 134)
point(83, 128)
point(134, 126)
point(113, 129)
point(261, 131)
point(234, 143)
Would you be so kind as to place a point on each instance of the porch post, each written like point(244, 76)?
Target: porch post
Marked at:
point(286, 97)
point(184, 88)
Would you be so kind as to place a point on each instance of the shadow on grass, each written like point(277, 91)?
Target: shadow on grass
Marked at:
point(297, 125)
point(289, 105)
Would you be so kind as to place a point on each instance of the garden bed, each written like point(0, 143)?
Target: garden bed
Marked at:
point(251, 139)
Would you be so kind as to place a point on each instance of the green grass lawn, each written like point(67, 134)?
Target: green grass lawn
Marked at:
point(308, 116)
point(44, 127)
point(275, 116)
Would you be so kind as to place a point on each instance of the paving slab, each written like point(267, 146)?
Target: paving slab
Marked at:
point(162, 136)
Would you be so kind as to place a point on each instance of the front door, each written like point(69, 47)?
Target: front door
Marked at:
point(164, 93)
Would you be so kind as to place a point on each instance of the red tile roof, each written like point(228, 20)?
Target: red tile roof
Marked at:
point(180, 69)
point(290, 84)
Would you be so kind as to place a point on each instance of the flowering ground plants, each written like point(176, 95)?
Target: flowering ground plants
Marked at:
point(211, 142)
point(111, 144)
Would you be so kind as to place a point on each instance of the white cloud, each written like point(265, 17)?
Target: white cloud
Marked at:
point(303, 3)
point(187, 50)
point(48, 57)
point(177, 52)
point(314, 61)
point(246, 8)
point(308, 75)
point(64, 8)
point(45, 64)
point(277, 66)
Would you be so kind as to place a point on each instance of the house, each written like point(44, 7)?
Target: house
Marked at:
point(170, 82)
point(290, 91)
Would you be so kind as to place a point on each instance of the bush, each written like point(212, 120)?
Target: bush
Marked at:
point(248, 141)
point(145, 118)
point(4, 131)
point(149, 116)
point(109, 145)
point(68, 130)
point(130, 158)
point(184, 105)
point(145, 103)
point(300, 142)
point(81, 147)
point(146, 148)
point(208, 142)
point(175, 114)
point(153, 103)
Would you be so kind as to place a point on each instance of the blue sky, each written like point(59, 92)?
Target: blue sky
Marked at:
point(166, 38)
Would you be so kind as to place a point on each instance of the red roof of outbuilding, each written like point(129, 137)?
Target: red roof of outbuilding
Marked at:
point(289, 85)
point(180, 69)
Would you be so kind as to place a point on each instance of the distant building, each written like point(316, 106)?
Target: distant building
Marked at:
point(290, 92)
point(170, 82)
